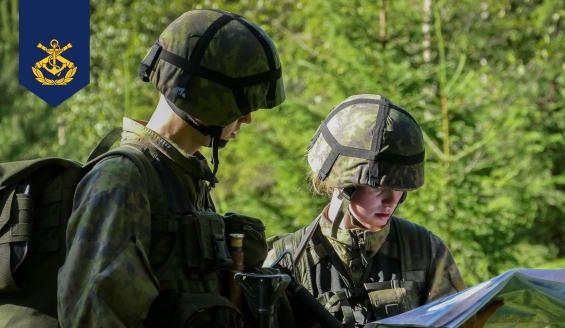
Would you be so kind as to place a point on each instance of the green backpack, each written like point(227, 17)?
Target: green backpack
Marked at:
point(36, 199)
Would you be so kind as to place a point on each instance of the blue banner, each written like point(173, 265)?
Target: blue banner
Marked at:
point(54, 48)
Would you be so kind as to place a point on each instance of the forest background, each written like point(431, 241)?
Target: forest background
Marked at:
point(483, 78)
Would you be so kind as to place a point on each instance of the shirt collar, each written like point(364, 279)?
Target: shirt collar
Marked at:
point(194, 165)
point(354, 239)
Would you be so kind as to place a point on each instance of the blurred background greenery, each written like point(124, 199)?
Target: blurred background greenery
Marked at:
point(484, 79)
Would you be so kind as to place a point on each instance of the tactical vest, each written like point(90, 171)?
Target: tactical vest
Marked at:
point(189, 257)
point(394, 281)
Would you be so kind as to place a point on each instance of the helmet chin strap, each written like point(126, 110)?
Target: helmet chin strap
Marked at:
point(215, 144)
point(214, 131)
point(335, 211)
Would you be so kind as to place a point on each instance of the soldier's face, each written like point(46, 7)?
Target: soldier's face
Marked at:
point(230, 131)
point(372, 207)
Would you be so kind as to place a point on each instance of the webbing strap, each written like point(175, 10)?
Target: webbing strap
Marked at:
point(196, 56)
point(218, 77)
point(273, 71)
point(149, 62)
point(154, 167)
point(7, 282)
point(130, 151)
point(20, 230)
point(340, 150)
point(7, 210)
point(299, 251)
point(105, 143)
point(319, 239)
point(338, 109)
point(216, 139)
point(378, 131)
point(177, 200)
point(205, 130)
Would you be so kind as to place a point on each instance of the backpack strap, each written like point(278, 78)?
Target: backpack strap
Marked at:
point(137, 156)
point(304, 241)
point(105, 143)
point(321, 242)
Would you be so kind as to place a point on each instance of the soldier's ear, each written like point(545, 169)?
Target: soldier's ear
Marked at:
point(403, 197)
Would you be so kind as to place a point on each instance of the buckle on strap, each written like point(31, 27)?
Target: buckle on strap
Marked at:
point(148, 64)
point(392, 309)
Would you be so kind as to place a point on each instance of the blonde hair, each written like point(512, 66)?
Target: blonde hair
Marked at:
point(320, 187)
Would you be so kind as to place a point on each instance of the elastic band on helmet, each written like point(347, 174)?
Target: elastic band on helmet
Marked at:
point(192, 67)
point(378, 131)
point(372, 155)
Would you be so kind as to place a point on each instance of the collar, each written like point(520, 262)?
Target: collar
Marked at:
point(194, 165)
point(348, 243)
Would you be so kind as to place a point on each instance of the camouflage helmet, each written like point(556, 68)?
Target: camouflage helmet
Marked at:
point(368, 140)
point(214, 66)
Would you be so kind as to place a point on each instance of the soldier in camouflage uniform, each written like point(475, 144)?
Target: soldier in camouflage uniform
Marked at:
point(360, 261)
point(144, 244)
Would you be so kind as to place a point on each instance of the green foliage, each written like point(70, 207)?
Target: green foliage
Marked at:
point(484, 79)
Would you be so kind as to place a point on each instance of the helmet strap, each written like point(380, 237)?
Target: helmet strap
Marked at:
point(403, 198)
point(215, 143)
point(335, 211)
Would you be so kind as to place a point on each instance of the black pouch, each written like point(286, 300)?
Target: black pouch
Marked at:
point(254, 243)
point(204, 241)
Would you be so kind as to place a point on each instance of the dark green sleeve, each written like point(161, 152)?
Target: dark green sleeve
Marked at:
point(106, 280)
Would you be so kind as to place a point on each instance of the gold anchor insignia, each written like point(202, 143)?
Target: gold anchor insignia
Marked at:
point(51, 64)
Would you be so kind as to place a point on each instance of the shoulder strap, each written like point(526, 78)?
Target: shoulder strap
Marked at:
point(415, 249)
point(105, 143)
point(321, 241)
point(141, 161)
point(305, 238)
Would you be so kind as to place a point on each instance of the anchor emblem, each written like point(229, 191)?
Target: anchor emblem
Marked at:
point(54, 63)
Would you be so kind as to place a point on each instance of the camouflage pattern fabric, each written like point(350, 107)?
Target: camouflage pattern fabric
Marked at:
point(442, 279)
point(107, 279)
point(355, 246)
point(354, 126)
point(234, 52)
point(361, 275)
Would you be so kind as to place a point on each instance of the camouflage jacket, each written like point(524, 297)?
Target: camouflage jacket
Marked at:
point(108, 279)
point(363, 273)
